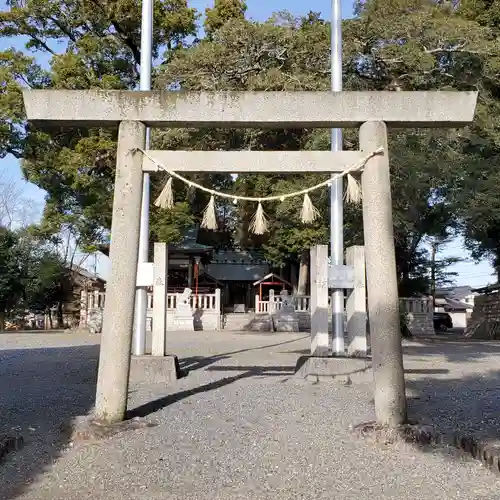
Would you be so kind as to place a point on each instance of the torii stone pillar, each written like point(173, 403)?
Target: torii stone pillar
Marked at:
point(383, 298)
point(371, 111)
point(116, 339)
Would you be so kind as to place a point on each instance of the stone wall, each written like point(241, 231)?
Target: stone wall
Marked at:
point(485, 319)
point(420, 323)
point(203, 320)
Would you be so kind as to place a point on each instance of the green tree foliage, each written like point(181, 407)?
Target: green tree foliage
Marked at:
point(427, 48)
point(47, 279)
point(485, 12)
point(478, 202)
point(222, 12)
point(442, 180)
point(33, 275)
point(89, 44)
point(452, 46)
point(11, 274)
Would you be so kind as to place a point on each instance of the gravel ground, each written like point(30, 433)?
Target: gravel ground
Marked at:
point(238, 426)
point(46, 379)
point(456, 385)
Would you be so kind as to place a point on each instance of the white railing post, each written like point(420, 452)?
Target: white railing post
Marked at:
point(217, 300)
point(272, 303)
point(84, 305)
point(319, 301)
point(256, 304)
point(159, 300)
point(217, 307)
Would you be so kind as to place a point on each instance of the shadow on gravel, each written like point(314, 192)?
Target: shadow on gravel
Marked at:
point(468, 405)
point(193, 363)
point(247, 371)
point(199, 362)
point(459, 408)
point(454, 350)
point(41, 390)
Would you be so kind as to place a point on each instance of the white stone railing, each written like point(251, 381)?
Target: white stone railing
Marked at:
point(303, 302)
point(416, 305)
point(95, 299)
point(205, 301)
point(208, 302)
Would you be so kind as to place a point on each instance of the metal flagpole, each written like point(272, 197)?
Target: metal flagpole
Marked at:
point(336, 200)
point(139, 343)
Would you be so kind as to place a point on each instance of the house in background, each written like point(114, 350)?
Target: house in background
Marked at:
point(204, 262)
point(457, 301)
point(203, 268)
point(82, 291)
point(80, 283)
point(237, 271)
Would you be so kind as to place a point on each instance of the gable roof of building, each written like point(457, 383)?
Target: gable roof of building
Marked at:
point(237, 272)
point(86, 274)
point(189, 242)
point(273, 277)
point(454, 292)
point(487, 289)
point(452, 304)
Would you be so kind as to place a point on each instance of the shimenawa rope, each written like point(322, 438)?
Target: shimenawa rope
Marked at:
point(259, 223)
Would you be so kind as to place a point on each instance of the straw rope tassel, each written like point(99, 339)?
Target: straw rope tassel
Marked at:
point(166, 197)
point(209, 220)
point(309, 212)
point(353, 192)
point(258, 223)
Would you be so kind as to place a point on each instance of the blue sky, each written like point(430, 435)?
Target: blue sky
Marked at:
point(469, 272)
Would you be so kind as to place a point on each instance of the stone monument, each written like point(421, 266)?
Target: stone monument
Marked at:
point(286, 318)
point(183, 316)
point(94, 320)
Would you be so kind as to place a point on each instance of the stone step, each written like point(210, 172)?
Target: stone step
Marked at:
point(237, 321)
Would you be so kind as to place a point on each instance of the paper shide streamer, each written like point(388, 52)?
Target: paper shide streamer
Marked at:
point(166, 197)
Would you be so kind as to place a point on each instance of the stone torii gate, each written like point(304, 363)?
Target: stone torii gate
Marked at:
point(372, 112)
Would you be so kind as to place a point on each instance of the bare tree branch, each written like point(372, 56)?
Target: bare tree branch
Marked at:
point(16, 210)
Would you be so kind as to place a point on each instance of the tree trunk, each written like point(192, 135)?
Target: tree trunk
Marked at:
point(60, 320)
point(293, 276)
point(51, 324)
point(303, 274)
point(2, 321)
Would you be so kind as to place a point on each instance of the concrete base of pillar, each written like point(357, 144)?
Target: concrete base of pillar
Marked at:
point(338, 370)
point(155, 369)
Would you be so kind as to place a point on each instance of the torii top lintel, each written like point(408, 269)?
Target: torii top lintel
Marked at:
point(249, 109)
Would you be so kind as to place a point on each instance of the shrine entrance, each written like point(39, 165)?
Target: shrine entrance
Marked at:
point(371, 112)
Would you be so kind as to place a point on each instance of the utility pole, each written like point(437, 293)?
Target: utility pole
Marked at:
point(336, 197)
point(139, 343)
point(434, 247)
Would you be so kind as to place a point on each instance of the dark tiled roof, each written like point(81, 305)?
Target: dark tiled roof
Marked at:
point(248, 257)
point(189, 241)
point(237, 272)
